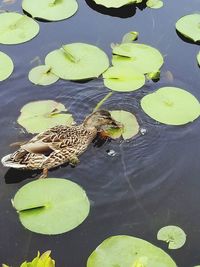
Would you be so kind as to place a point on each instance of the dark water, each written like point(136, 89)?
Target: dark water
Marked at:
point(151, 182)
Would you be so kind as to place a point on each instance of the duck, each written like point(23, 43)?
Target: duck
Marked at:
point(60, 144)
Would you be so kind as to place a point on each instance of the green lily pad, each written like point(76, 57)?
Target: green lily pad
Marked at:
point(51, 206)
point(154, 3)
point(141, 57)
point(128, 120)
point(198, 58)
point(123, 79)
point(173, 235)
point(129, 251)
point(130, 37)
point(42, 75)
point(51, 10)
point(77, 61)
point(39, 116)
point(171, 105)
point(16, 28)
point(189, 26)
point(114, 3)
point(7, 66)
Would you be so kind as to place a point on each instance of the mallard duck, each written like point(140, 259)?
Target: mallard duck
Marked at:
point(60, 144)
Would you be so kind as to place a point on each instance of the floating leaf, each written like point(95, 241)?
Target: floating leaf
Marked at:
point(123, 79)
point(51, 206)
point(171, 105)
point(114, 3)
point(39, 116)
point(16, 28)
point(77, 61)
point(129, 121)
point(141, 57)
point(7, 66)
point(130, 37)
point(128, 251)
point(198, 58)
point(42, 75)
point(173, 235)
point(189, 26)
point(51, 10)
point(154, 3)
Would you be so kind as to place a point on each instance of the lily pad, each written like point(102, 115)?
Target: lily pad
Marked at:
point(51, 10)
point(51, 206)
point(154, 4)
point(114, 3)
point(173, 235)
point(189, 26)
point(130, 37)
point(129, 121)
point(39, 116)
point(16, 28)
point(42, 75)
point(77, 61)
point(128, 251)
point(7, 66)
point(141, 57)
point(198, 58)
point(171, 105)
point(123, 79)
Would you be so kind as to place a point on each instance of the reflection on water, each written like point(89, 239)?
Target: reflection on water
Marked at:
point(150, 182)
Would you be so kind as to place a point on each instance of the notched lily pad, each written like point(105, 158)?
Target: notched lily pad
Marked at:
point(173, 235)
point(6, 66)
point(42, 75)
point(51, 10)
point(123, 79)
point(154, 4)
point(129, 122)
point(171, 105)
point(189, 26)
point(39, 116)
point(51, 206)
point(115, 3)
point(77, 61)
point(16, 28)
point(141, 57)
point(128, 251)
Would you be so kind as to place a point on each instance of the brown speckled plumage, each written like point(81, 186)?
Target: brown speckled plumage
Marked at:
point(59, 145)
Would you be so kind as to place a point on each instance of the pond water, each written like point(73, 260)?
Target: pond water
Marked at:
point(151, 181)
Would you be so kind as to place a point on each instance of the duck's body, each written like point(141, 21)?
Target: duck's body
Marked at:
point(58, 145)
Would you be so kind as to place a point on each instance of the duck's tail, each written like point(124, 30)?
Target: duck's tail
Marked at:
point(8, 162)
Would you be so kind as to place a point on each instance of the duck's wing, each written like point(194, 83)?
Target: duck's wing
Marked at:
point(57, 138)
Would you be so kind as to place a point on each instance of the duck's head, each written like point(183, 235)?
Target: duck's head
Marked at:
point(101, 120)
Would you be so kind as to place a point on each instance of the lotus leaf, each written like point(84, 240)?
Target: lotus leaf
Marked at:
point(171, 105)
point(51, 10)
point(154, 3)
point(198, 58)
point(130, 37)
point(51, 206)
point(123, 79)
point(39, 116)
point(77, 61)
point(141, 57)
point(42, 75)
point(128, 251)
point(189, 26)
point(173, 235)
point(129, 121)
point(16, 28)
point(6, 66)
point(114, 3)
